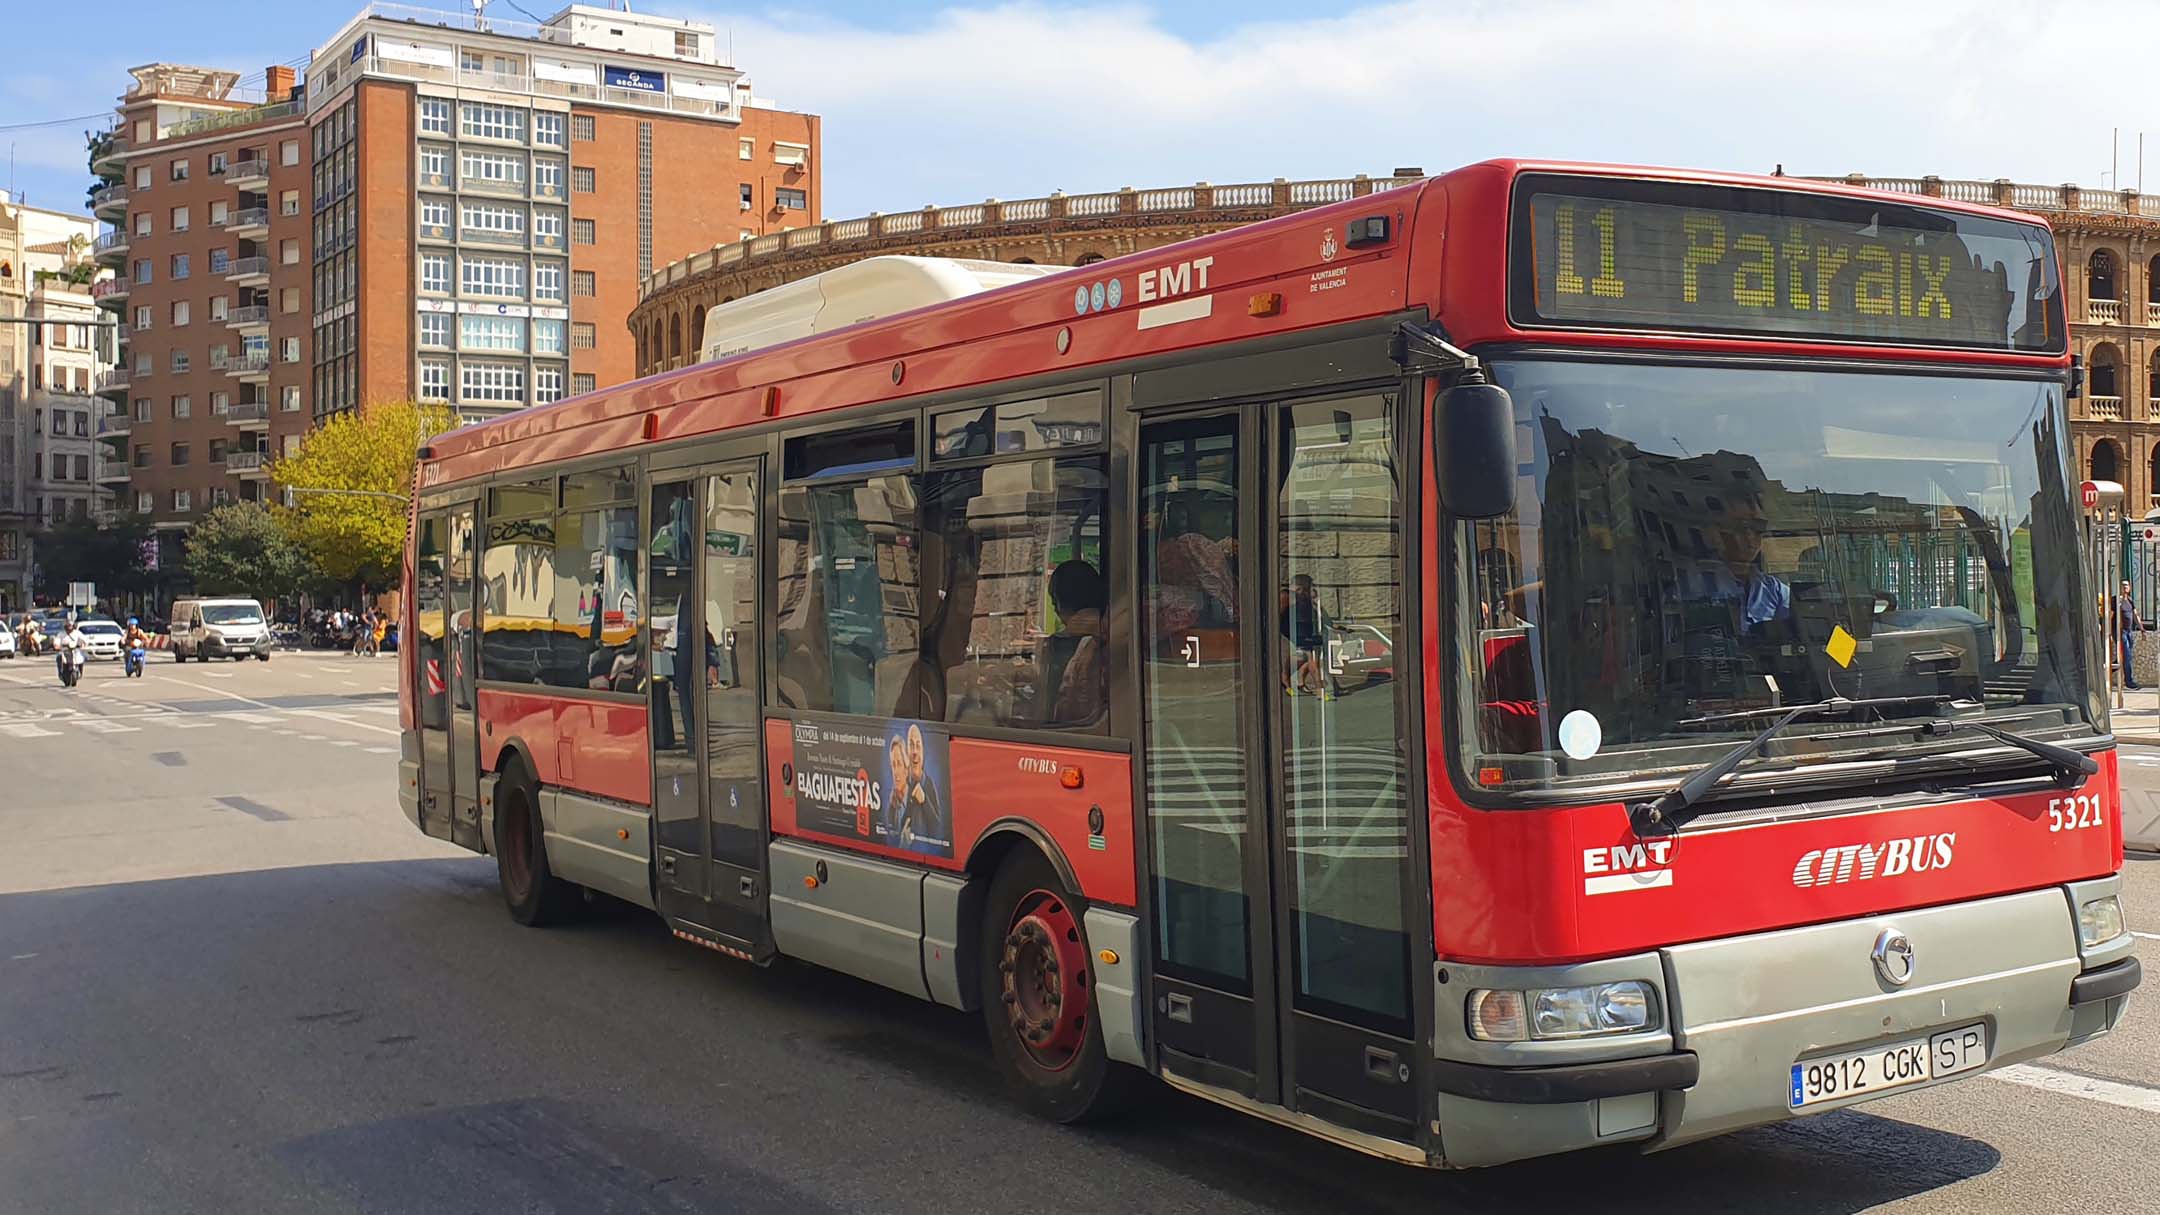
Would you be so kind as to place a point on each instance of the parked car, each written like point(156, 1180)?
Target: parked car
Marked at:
point(204, 629)
point(104, 637)
point(7, 642)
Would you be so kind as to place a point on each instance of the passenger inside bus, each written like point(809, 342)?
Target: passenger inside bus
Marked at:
point(1071, 668)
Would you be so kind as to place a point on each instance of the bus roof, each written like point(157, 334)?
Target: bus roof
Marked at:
point(1212, 289)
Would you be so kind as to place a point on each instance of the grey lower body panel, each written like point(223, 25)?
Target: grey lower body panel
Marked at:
point(408, 789)
point(1117, 984)
point(600, 845)
point(852, 914)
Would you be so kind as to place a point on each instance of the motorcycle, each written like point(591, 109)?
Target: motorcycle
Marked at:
point(69, 658)
point(136, 658)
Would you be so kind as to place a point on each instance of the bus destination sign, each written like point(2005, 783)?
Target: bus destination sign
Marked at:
point(1654, 255)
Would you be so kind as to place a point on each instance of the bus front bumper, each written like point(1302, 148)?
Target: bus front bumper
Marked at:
point(1743, 1015)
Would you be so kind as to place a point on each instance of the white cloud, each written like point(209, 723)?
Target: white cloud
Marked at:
point(1017, 100)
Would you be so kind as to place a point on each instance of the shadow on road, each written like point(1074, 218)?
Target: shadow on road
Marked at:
point(379, 1037)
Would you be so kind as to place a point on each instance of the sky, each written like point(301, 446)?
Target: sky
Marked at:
point(955, 102)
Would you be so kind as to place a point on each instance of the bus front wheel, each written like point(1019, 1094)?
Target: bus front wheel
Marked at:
point(532, 892)
point(1038, 997)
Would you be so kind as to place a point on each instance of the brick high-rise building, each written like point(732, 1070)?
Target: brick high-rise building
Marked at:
point(450, 208)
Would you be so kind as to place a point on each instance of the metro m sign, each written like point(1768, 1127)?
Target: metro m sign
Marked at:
point(2089, 494)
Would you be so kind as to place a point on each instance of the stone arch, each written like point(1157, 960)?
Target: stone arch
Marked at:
point(697, 330)
point(644, 353)
point(2103, 374)
point(674, 336)
point(2106, 461)
point(2103, 276)
point(1023, 261)
point(1088, 259)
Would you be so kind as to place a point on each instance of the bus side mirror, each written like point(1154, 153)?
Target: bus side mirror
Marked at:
point(1474, 448)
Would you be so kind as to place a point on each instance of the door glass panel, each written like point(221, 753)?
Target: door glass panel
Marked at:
point(457, 592)
point(1345, 809)
point(430, 553)
point(673, 520)
point(1196, 781)
point(730, 675)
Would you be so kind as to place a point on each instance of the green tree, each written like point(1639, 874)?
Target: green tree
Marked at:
point(351, 480)
point(240, 549)
point(83, 550)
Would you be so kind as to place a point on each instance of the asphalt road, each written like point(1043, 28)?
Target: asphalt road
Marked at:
point(233, 979)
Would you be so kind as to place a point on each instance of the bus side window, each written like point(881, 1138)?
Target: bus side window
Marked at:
point(848, 638)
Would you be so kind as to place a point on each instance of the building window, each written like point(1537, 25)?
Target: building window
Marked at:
point(746, 149)
point(745, 194)
point(434, 161)
point(502, 333)
point(547, 222)
point(142, 270)
point(491, 167)
point(220, 212)
point(142, 177)
point(179, 455)
point(491, 381)
point(220, 261)
point(548, 128)
point(289, 350)
point(217, 451)
point(434, 329)
point(220, 308)
point(180, 265)
point(142, 223)
point(495, 276)
point(289, 203)
point(220, 402)
point(547, 383)
point(179, 170)
point(582, 283)
point(289, 152)
point(491, 219)
point(435, 272)
point(582, 180)
point(790, 200)
point(547, 175)
point(547, 281)
point(179, 314)
point(179, 361)
point(289, 252)
point(179, 219)
point(142, 455)
point(481, 121)
point(581, 127)
point(289, 299)
point(795, 154)
point(582, 382)
point(434, 212)
point(547, 337)
point(142, 318)
point(289, 401)
point(581, 231)
point(583, 335)
point(434, 380)
point(182, 500)
point(182, 407)
point(142, 409)
point(435, 115)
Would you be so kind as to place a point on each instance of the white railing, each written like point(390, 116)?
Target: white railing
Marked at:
point(2104, 409)
point(509, 82)
point(1279, 195)
point(243, 461)
point(2104, 312)
point(109, 241)
point(2152, 312)
point(251, 217)
point(253, 314)
point(247, 170)
point(247, 267)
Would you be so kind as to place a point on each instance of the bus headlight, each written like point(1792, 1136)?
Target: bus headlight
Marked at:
point(1625, 1007)
point(2099, 920)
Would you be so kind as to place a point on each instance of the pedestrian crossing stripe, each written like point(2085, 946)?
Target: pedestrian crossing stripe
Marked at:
point(27, 729)
point(96, 726)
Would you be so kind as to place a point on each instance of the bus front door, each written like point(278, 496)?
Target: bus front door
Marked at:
point(1281, 878)
point(704, 660)
point(443, 669)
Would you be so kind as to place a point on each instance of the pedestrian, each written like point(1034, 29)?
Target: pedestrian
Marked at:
point(2127, 624)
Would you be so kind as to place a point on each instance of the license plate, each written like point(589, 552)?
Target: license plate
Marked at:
point(1879, 1069)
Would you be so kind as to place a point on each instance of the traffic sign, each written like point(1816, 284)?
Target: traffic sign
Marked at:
point(2089, 494)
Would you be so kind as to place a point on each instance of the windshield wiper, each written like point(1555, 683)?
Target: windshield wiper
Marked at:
point(1676, 806)
point(2068, 762)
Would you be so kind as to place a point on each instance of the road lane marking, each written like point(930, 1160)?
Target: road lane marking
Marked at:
point(2149, 936)
point(2070, 1084)
point(101, 726)
point(382, 750)
point(27, 729)
point(358, 725)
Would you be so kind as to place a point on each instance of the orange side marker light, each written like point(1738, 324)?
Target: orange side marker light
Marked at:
point(1264, 303)
point(1072, 778)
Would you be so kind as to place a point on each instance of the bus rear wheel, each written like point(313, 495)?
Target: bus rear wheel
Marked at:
point(532, 892)
point(1038, 997)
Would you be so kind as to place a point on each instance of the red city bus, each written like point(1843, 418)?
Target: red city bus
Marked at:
point(1544, 656)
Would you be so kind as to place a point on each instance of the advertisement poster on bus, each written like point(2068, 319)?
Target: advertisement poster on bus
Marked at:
point(886, 783)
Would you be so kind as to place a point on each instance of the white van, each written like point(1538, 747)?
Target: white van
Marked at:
point(204, 629)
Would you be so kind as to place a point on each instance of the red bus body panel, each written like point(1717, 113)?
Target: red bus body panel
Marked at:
point(592, 746)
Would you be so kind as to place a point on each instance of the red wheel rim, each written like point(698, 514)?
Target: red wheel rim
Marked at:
point(1044, 973)
point(517, 849)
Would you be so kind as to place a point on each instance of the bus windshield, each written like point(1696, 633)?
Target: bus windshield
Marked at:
point(1694, 544)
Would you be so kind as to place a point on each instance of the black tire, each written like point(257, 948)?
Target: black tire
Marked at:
point(263, 657)
point(1080, 1083)
point(532, 892)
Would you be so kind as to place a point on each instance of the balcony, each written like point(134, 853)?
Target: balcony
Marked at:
point(249, 415)
point(2103, 409)
point(248, 223)
point(250, 174)
point(110, 202)
point(111, 248)
point(251, 367)
point(248, 465)
point(254, 316)
point(111, 292)
point(113, 159)
point(2152, 312)
point(248, 271)
point(2104, 312)
point(113, 382)
point(112, 472)
point(115, 425)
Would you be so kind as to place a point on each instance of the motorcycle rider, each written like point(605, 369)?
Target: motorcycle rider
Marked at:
point(137, 646)
point(70, 650)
